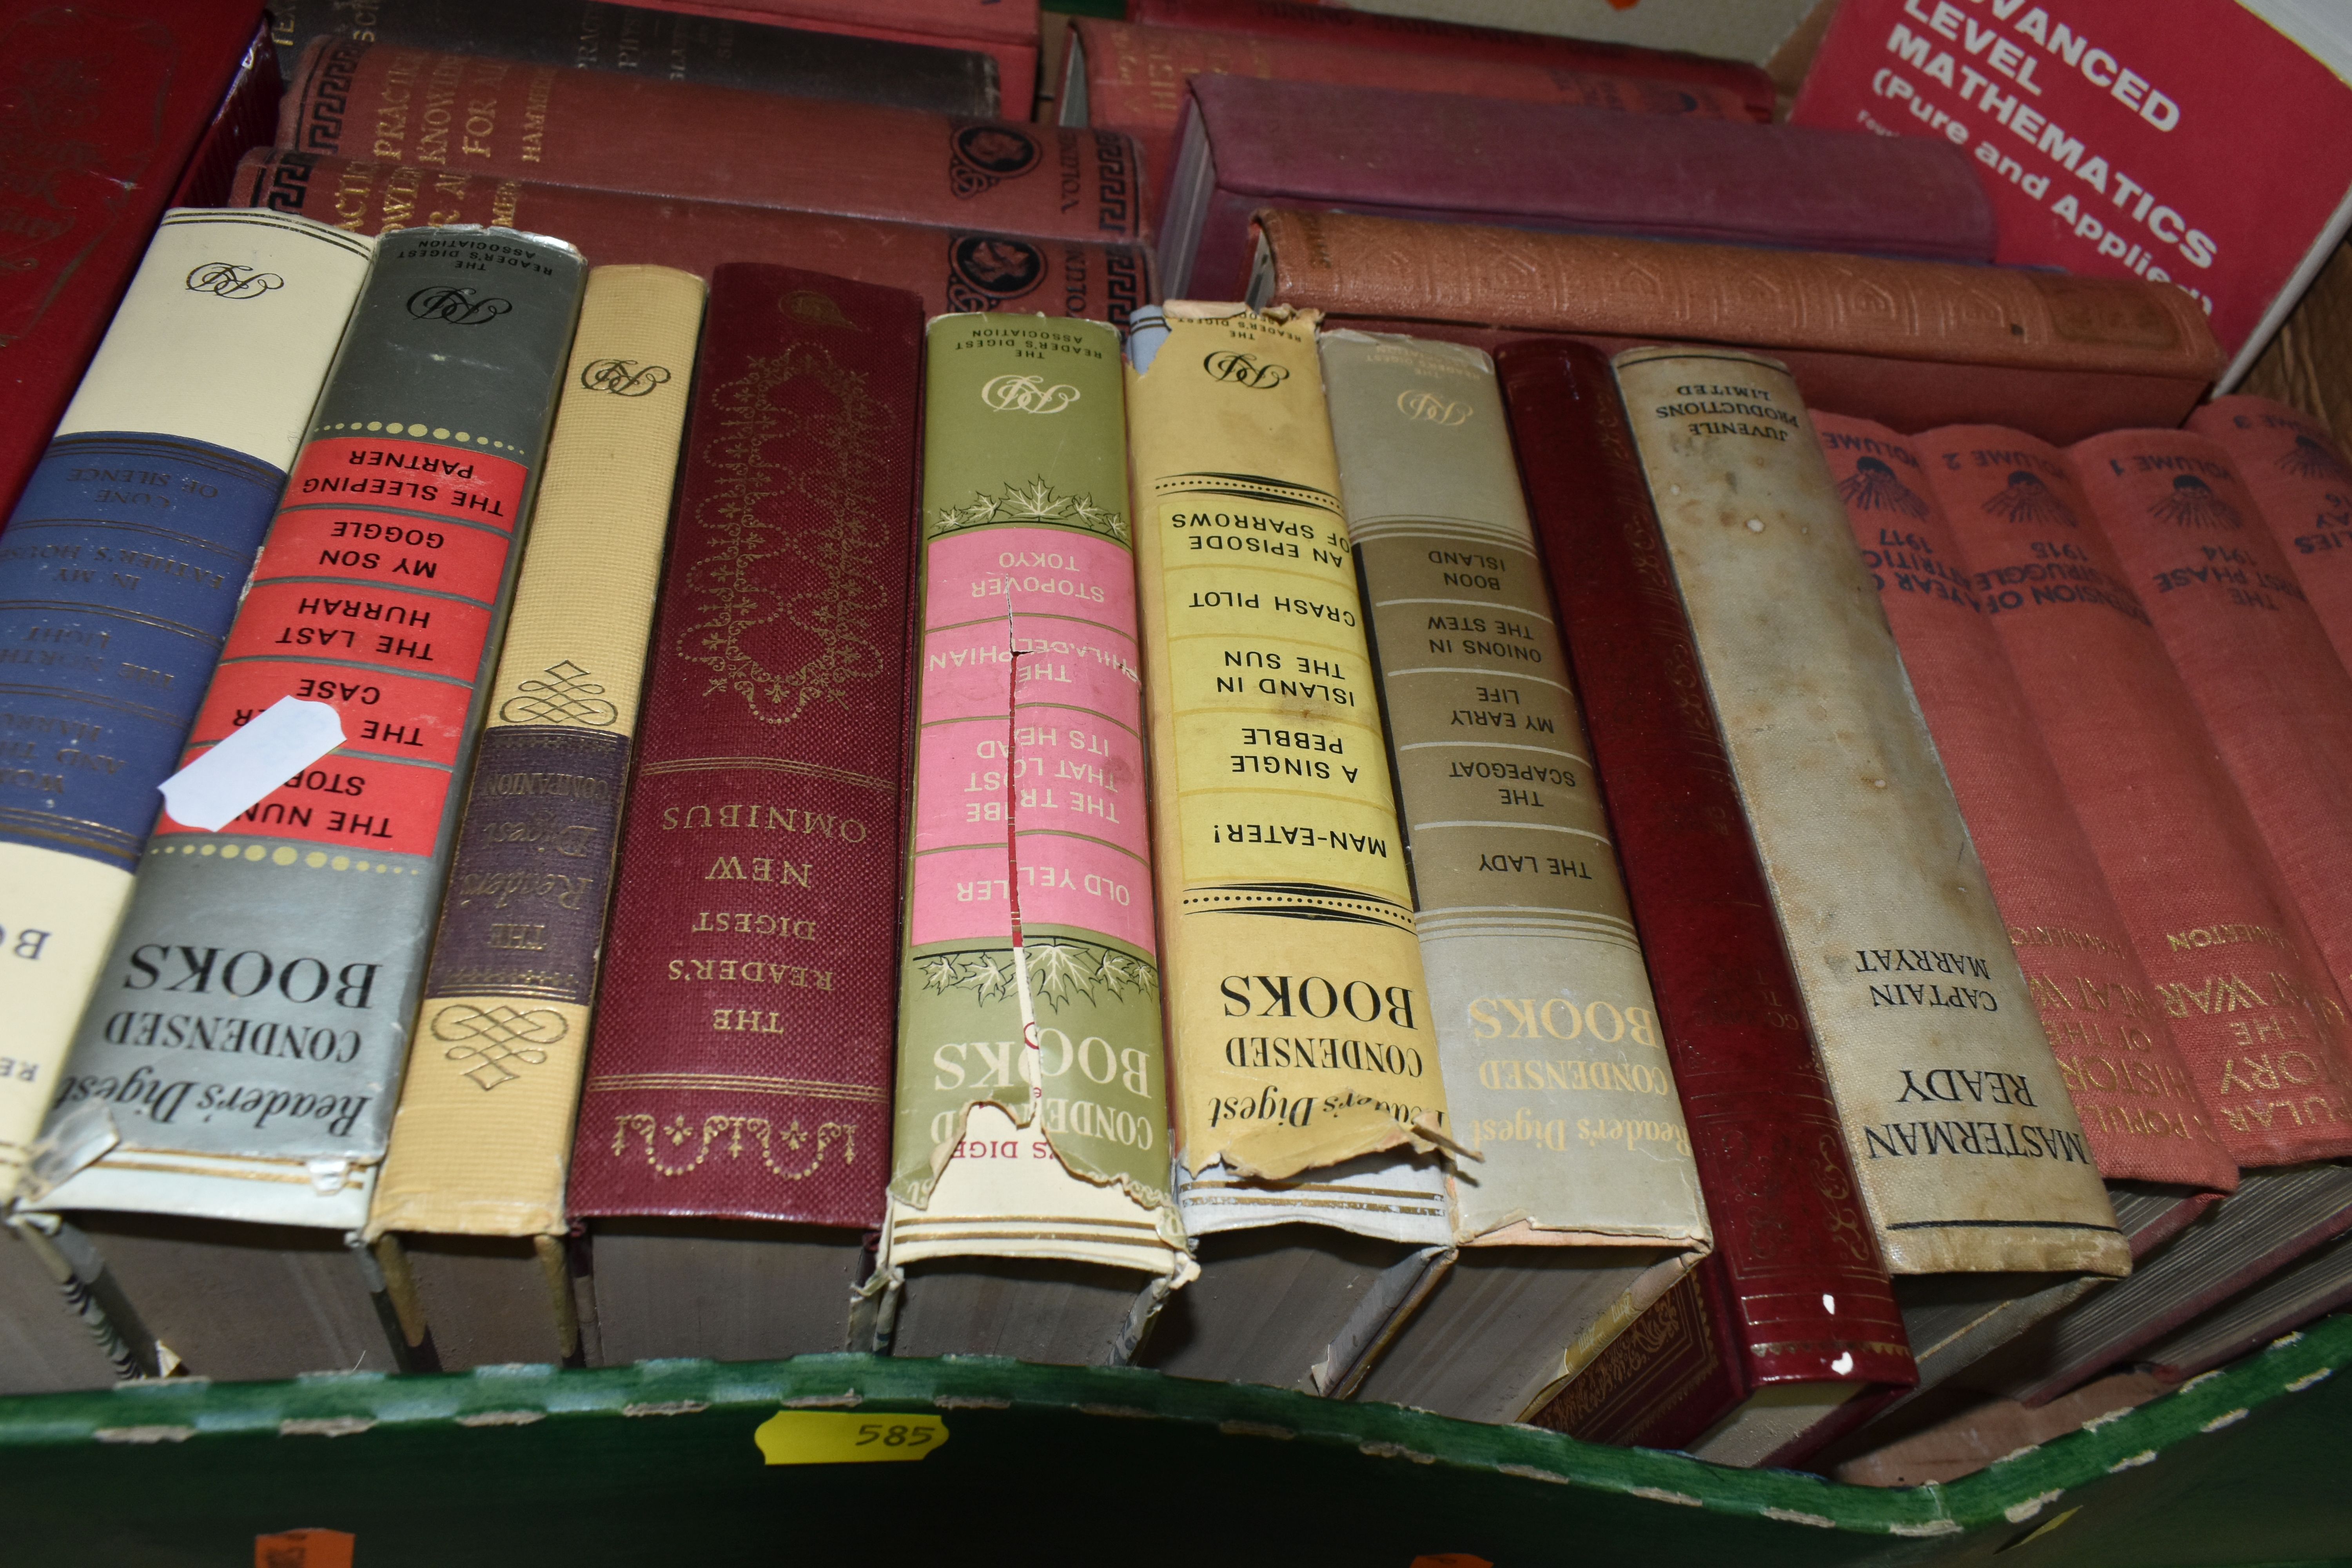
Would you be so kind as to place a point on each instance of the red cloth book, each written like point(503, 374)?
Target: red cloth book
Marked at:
point(2200, 144)
point(742, 1063)
point(2255, 659)
point(1795, 1292)
point(1117, 77)
point(2256, 1019)
point(1006, 29)
point(2302, 486)
point(611, 131)
point(100, 110)
point(950, 269)
point(1456, 159)
point(1311, 24)
point(2113, 1045)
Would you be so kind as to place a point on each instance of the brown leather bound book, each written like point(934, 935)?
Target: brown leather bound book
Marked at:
point(952, 269)
point(735, 1125)
point(1909, 343)
point(1338, 24)
point(1788, 1331)
point(711, 143)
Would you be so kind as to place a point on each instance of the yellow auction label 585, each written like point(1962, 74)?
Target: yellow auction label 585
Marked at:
point(847, 1438)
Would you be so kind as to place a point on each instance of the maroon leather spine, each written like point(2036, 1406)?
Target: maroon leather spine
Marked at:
point(1452, 40)
point(470, 114)
point(1797, 1273)
point(742, 1064)
point(1453, 158)
point(247, 118)
point(951, 271)
point(100, 109)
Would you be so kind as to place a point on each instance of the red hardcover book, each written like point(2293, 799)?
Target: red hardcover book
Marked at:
point(2303, 487)
point(2256, 1019)
point(741, 1067)
point(950, 269)
point(1310, 23)
point(1117, 77)
point(2113, 1042)
point(1795, 1293)
point(2253, 657)
point(100, 110)
point(613, 131)
point(1006, 29)
point(1247, 144)
point(2209, 144)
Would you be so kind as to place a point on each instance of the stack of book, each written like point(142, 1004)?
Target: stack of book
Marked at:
point(676, 687)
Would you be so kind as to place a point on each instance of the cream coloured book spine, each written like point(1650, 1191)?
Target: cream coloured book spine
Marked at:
point(1546, 1027)
point(1298, 1019)
point(119, 571)
point(1969, 1151)
point(482, 1142)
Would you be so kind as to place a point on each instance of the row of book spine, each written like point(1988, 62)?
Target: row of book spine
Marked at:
point(1342, 983)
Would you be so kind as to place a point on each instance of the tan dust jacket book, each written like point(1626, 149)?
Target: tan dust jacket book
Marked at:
point(1298, 1020)
point(1967, 1148)
point(480, 1142)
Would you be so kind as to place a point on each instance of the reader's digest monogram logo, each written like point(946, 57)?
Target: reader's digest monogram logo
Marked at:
point(1416, 402)
point(1245, 370)
point(230, 281)
point(1026, 394)
point(457, 306)
point(623, 377)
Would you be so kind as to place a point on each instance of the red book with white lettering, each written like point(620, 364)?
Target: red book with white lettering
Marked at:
point(2114, 145)
point(2302, 486)
point(2113, 1042)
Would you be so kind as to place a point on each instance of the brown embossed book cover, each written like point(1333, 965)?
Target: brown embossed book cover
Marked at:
point(1909, 343)
point(734, 1133)
point(710, 144)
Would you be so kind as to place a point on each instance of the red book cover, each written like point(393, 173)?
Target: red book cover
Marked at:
point(2113, 1043)
point(2207, 148)
point(2303, 489)
point(742, 1063)
point(1117, 77)
point(1796, 1277)
point(1005, 30)
point(1310, 23)
point(2256, 1019)
point(1456, 159)
point(952, 270)
point(100, 110)
point(2255, 657)
point(609, 130)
